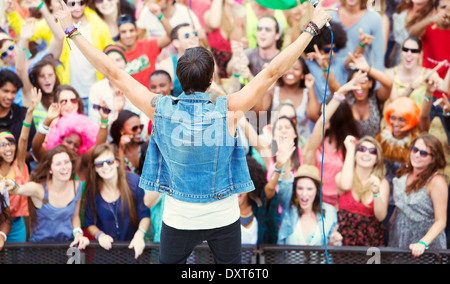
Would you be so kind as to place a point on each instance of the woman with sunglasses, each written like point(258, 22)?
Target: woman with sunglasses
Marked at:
point(223, 26)
point(409, 76)
point(115, 209)
point(420, 194)
point(126, 134)
point(363, 193)
point(13, 166)
point(54, 197)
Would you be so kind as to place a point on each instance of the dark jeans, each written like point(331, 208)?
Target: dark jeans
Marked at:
point(224, 242)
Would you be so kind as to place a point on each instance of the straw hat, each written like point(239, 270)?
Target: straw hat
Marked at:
point(309, 171)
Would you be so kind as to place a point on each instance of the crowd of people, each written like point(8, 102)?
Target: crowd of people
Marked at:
point(338, 147)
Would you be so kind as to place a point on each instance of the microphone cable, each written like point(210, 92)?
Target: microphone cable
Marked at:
point(323, 145)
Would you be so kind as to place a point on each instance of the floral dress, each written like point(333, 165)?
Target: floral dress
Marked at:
point(358, 224)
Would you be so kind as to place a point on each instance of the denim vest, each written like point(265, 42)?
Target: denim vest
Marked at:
point(191, 155)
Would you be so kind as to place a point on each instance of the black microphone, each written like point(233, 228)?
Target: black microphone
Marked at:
point(315, 3)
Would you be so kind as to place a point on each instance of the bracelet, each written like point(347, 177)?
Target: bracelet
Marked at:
point(376, 195)
point(70, 30)
point(325, 70)
point(104, 126)
point(314, 27)
point(77, 230)
point(26, 124)
point(428, 99)
point(143, 231)
point(27, 52)
point(446, 113)
point(306, 31)
point(4, 235)
point(338, 97)
point(236, 75)
point(277, 170)
point(104, 121)
point(73, 34)
point(98, 235)
point(40, 5)
point(423, 243)
point(160, 16)
point(362, 45)
point(43, 129)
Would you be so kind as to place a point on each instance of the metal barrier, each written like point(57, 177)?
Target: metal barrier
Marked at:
point(60, 253)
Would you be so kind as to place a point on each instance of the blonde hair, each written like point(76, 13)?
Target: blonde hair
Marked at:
point(364, 192)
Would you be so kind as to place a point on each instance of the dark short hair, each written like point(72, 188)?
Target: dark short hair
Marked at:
point(324, 38)
point(8, 76)
point(161, 72)
point(195, 69)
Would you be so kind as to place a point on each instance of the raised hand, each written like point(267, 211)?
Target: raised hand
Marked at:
point(54, 111)
point(358, 62)
point(350, 142)
point(353, 84)
point(335, 237)
point(36, 96)
point(64, 16)
point(320, 15)
point(365, 39)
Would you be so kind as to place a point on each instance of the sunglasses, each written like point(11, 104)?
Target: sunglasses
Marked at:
point(105, 109)
point(362, 148)
point(73, 3)
point(188, 35)
point(136, 127)
point(5, 53)
point(100, 164)
point(413, 50)
point(328, 49)
point(65, 101)
point(423, 153)
point(268, 29)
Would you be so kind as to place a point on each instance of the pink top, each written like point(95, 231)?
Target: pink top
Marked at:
point(333, 162)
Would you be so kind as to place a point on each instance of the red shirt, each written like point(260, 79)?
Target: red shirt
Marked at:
point(436, 48)
point(142, 60)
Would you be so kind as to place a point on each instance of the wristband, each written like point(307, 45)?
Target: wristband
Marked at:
point(236, 75)
point(104, 121)
point(27, 52)
point(77, 230)
point(40, 5)
point(338, 97)
point(423, 243)
point(428, 99)
point(277, 170)
point(98, 235)
point(362, 45)
point(70, 30)
point(4, 235)
point(43, 129)
point(26, 124)
point(376, 195)
point(306, 31)
point(143, 231)
point(325, 70)
point(160, 16)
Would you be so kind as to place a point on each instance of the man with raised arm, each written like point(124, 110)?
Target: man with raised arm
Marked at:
point(193, 154)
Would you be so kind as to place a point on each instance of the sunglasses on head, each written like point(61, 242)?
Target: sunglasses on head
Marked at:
point(73, 3)
point(423, 153)
point(328, 49)
point(100, 164)
point(362, 148)
point(188, 35)
point(5, 53)
point(413, 50)
point(136, 127)
point(105, 109)
point(65, 101)
point(268, 29)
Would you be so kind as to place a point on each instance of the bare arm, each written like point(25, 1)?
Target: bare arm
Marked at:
point(213, 16)
point(137, 93)
point(344, 179)
point(240, 102)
